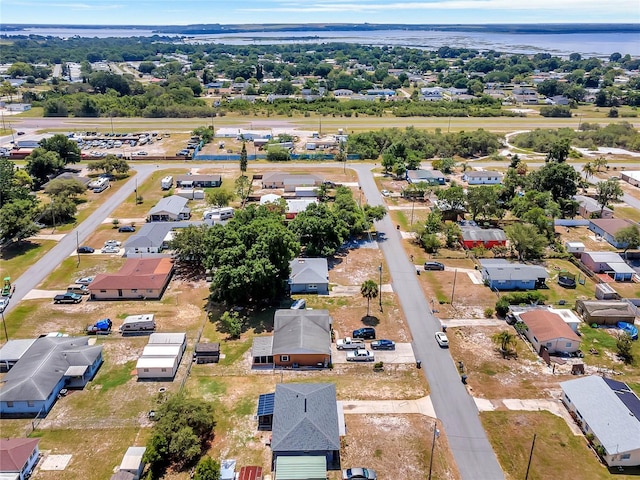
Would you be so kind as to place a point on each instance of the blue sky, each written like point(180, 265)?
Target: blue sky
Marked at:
point(173, 12)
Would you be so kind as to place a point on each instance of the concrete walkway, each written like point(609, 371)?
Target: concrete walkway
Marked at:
point(56, 237)
point(352, 290)
point(36, 294)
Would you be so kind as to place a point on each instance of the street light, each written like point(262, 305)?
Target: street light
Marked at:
point(380, 283)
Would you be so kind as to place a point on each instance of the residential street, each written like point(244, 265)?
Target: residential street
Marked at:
point(452, 403)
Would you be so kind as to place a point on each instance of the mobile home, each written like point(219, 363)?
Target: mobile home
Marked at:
point(167, 182)
point(219, 214)
point(138, 324)
point(100, 185)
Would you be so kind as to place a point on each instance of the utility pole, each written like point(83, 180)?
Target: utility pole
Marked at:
point(413, 206)
point(453, 290)
point(78, 246)
point(53, 216)
point(436, 434)
point(533, 444)
point(380, 289)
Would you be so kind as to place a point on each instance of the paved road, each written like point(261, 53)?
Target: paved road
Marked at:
point(453, 405)
point(67, 245)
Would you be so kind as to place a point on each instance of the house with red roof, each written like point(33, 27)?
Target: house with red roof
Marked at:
point(549, 330)
point(139, 278)
point(18, 457)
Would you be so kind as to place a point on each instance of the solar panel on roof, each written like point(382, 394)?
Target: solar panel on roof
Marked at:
point(265, 404)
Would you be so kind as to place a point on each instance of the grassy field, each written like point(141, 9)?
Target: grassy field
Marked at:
point(17, 258)
point(511, 434)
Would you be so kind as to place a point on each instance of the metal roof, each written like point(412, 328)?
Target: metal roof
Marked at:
point(14, 349)
point(265, 404)
point(173, 204)
point(132, 458)
point(602, 408)
point(483, 234)
point(167, 338)
point(262, 346)
point(513, 271)
point(305, 418)
point(312, 467)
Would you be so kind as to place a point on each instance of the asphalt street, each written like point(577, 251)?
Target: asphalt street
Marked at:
point(453, 405)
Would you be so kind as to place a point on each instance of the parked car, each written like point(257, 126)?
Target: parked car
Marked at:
point(385, 193)
point(20, 133)
point(364, 332)
point(84, 280)
point(442, 339)
point(360, 355)
point(4, 301)
point(383, 345)
point(127, 228)
point(112, 243)
point(433, 266)
point(85, 249)
point(67, 298)
point(359, 474)
point(110, 249)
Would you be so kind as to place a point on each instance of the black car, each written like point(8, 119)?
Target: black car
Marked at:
point(365, 332)
point(85, 249)
point(433, 266)
point(383, 345)
point(127, 228)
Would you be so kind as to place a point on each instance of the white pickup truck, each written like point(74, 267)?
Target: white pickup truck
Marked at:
point(360, 355)
point(349, 343)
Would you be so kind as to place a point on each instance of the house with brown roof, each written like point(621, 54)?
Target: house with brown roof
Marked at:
point(18, 457)
point(549, 330)
point(139, 278)
point(608, 227)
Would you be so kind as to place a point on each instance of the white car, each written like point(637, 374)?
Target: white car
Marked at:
point(4, 301)
point(112, 243)
point(110, 249)
point(84, 280)
point(442, 339)
point(385, 193)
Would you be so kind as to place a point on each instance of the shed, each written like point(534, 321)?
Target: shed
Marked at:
point(604, 291)
point(574, 247)
point(250, 473)
point(312, 467)
point(207, 352)
point(228, 469)
point(132, 461)
point(157, 367)
point(605, 312)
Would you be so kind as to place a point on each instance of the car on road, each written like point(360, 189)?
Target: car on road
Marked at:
point(84, 280)
point(364, 332)
point(112, 243)
point(433, 266)
point(20, 133)
point(383, 344)
point(385, 193)
point(442, 339)
point(359, 474)
point(360, 355)
point(4, 301)
point(127, 228)
point(142, 153)
point(86, 249)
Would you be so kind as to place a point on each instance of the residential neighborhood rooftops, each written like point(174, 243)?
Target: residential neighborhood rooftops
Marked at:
point(305, 418)
point(198, 178)
point(14, 349)
point(500, 269)
point(309, 270)
point(14, 453)
point(301, 331)
point(43, 365)
point(611, 225)
point(610, 409)
point(163, 338)
point(482, 174)
point(138, 273)
point(483, 234)
point(174, 204)
point(547, 326)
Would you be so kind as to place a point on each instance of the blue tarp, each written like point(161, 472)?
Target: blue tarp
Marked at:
point(629, 328)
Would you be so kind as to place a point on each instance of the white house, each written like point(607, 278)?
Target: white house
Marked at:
point(548, 330)
point(162, 355)
point(484, 177)
point(610, 411)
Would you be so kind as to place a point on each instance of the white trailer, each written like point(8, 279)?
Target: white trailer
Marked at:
point(138, 324)
point(167, 182)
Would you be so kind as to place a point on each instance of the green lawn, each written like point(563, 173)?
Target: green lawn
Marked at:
point(69, 270)
point(558, 453)
point(17, 258)
point(555, 292)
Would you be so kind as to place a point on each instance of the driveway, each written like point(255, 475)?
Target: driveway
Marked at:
point(402, 354)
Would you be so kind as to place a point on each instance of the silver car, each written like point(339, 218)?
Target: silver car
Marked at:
point(359, 474)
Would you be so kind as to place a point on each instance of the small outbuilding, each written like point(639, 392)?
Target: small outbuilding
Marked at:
point(132, 461)
point(605, 312)
point(207, 352)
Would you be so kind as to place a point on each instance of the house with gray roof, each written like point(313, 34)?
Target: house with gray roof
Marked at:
point(170, 209)
point(31, 387)
point(590, 208)
point(153, 237)
point(482, 177)
point(499, 274)
point(301, 338)
point(306, 422)
point(610, 411)
point(309, 275)
point(289, 181)
point(432, 177)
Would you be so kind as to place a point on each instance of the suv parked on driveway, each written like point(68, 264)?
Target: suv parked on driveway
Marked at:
point(364, 332)
point(433, 266)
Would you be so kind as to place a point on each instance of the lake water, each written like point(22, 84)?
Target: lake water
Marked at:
point(588, 45)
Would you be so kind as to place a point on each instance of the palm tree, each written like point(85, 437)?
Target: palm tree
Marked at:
point(369, 290)
point(504, 340)
point(589, 170)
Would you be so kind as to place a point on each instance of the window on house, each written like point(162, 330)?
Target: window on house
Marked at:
point(134, 290)
point(103, 291)
point(29, 403)
point(313, 287)
point(145, 370)
point(625, 456)
point(569, 345)
point(9, 404)
point(164, 369)
point(548, 344)
point(284, 358)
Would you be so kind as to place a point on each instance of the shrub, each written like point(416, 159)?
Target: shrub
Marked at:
point(502, 307)
point(488, 312)
point(115, 223)
point(378, 366)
